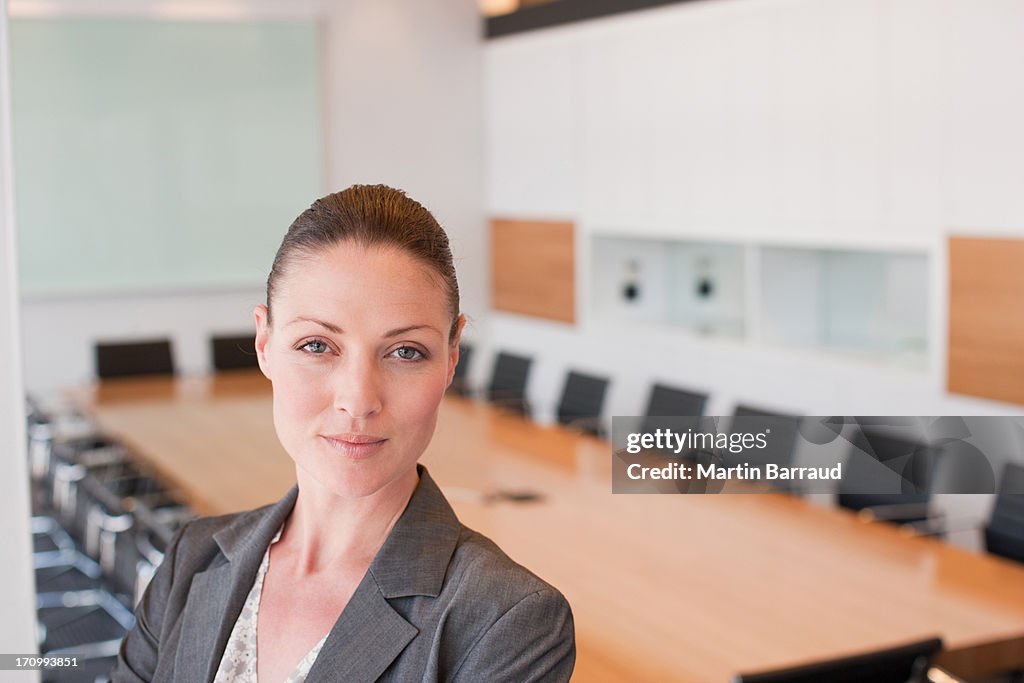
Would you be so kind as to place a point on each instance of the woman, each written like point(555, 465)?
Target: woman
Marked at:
point(362, 572)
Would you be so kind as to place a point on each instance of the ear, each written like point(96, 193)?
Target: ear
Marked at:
point(453, 350)
point(262, 316)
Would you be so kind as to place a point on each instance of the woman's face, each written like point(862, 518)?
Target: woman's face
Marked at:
point(359, 358)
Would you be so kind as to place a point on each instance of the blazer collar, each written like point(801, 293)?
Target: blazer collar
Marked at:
point(415, 556)
point(413, 561)
point(216, 595)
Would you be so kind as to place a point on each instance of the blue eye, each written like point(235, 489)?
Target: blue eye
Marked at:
point(315, 346)
point(409, 353)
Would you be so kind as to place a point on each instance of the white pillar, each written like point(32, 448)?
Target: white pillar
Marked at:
point(17, 595)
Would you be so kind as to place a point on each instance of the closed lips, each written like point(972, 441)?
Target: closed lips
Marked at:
point(354, 438)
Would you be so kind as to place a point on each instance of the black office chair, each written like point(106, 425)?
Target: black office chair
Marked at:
point(234, 352)
point(508, 383)
point(781, 439)
point(904, 664)
point(1004, 533)
point(128, 359)
point(674, 409)
point(890, 478)
point(582, 401)
point(460, 381)
point(139, 552)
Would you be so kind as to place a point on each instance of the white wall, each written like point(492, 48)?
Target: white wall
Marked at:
point(882, 124)
point(847, 123)
point(405, 109)
point(17, 628)
point(59, 333)
point(402, 105)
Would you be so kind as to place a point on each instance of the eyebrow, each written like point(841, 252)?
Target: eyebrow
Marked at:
point(390, 333)
point(410, 328)
point(301, 319)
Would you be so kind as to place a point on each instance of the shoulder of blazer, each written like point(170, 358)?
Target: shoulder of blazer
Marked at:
point(483, 569)
point(204, 539)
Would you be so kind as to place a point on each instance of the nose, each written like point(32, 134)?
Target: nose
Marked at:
point(357, 388)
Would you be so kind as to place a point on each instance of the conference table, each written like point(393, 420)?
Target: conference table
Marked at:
point(688, 588)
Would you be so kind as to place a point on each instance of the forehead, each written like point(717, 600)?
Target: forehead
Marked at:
point(351, 278)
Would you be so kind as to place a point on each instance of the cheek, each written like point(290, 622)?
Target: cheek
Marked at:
point(298, 396)
point(416, 403)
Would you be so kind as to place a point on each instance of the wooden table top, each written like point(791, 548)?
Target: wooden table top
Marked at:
point(663, 587)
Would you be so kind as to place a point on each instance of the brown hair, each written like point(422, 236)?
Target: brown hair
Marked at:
point(370, 215)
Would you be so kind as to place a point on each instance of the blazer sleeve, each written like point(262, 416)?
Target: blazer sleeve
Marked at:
point(533, 641)
point(140, 649)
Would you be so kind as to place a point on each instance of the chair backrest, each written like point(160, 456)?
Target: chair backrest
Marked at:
point(1004, 533)
point(126, 359)
point(582, 400)
point(508, 381)
point(670, 401)
point(884, 469)
point(903, 664)
point(781, 441)
point(236, 352)
point(460, 383)
point(673, 408)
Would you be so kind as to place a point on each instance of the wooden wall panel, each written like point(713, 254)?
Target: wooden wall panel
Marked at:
point(986, 318)
point(533, 268)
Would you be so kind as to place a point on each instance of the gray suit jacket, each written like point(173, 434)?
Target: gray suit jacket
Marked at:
point(440, 602)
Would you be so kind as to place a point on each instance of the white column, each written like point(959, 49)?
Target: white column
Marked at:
point(17, 597)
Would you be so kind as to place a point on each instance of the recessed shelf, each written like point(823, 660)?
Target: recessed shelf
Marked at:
point(867, 304)
point(697, 286)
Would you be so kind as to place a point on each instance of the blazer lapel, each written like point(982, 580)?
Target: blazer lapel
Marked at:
point(370, 634)
point(207, 623)
point(218, 594)
point(367, 637)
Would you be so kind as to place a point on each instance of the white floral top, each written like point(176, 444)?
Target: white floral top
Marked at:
point(238, 665)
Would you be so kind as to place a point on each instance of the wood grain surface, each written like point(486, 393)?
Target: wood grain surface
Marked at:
point(663, 587)
point(986, 324)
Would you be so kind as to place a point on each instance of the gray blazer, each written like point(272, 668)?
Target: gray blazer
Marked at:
point(440, 602)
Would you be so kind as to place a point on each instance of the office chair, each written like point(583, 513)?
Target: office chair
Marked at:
point(156, 522)
point(673, 408)
point(460, 381)
point(781, 441)
point(234, 352)
point(581, 402)
point(1004, 533)
point(128, 359)
point(508, 383)
point(904, 664)
point(888, 476)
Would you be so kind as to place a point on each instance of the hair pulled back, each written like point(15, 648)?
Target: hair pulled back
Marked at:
point(370, 216)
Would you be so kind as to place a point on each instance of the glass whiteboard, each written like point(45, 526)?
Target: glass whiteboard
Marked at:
point(155, 155)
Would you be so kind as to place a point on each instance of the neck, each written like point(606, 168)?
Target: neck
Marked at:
point(327, 530)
